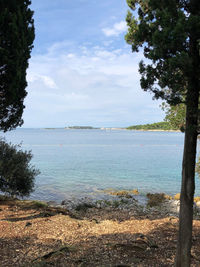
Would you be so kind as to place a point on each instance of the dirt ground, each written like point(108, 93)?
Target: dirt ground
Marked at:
point(31, 235)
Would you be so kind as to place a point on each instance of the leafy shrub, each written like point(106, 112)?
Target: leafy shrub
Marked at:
point(17, 176)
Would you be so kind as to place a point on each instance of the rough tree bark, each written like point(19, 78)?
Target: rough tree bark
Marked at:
point(187, 192)
point(183, 255)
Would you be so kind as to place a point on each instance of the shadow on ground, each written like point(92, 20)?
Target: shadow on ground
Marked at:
point(125, 246)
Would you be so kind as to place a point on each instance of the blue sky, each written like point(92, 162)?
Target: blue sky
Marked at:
point(81, 71)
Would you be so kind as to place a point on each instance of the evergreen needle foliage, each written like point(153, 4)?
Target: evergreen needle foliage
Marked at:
point(16, 43)
point(168, 31)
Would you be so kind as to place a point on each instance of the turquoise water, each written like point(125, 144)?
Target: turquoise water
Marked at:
point(79, 162)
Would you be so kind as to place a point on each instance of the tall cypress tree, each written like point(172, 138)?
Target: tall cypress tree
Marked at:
point(169, 33)
point(16, 42)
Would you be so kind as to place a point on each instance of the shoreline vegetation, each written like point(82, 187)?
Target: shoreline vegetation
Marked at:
point(116, 231)
point(156, 127)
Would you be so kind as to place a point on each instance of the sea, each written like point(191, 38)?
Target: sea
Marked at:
point(79, 162)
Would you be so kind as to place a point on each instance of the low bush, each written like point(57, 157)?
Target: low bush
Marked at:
point(17, 175)
point(155, 199)
point(38, 204)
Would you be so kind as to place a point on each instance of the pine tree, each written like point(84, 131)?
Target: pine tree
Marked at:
point(169, 33)
point(16, 43)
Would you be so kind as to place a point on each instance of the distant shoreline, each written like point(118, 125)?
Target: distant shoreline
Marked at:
point(114, 129)
point(153, 130)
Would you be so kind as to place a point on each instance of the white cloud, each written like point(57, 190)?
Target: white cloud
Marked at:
point(94, 86)
point(116, 29)
point(48, 81)
point(70, 55)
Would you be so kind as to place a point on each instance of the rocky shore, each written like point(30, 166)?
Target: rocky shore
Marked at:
point(129, 200)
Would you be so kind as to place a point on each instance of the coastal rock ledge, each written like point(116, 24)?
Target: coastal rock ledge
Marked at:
point(167, 207)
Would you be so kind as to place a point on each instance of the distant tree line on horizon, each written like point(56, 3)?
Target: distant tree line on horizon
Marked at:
point(163, 125)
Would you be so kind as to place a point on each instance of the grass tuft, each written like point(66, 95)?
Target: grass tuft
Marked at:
point(38, 204)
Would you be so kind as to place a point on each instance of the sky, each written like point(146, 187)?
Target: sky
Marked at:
point(81, 71)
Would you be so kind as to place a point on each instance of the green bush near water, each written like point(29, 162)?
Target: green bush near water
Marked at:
point(17, 175)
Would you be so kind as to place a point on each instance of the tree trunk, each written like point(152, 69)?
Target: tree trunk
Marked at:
point(183, 254)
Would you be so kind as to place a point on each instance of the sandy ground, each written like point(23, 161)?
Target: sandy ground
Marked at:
point(44, 236)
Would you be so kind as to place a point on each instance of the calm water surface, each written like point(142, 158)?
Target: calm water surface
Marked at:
point(80, 162)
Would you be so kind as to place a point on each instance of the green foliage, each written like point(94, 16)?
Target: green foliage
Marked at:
point(17, 176)
point(175, 115)
point(162, 28)
point(16, 39)
point(38, 204)
point(169, 33)
point(165, 126)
